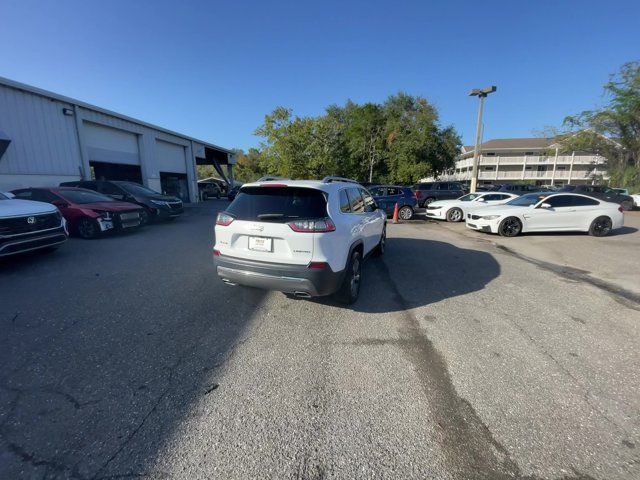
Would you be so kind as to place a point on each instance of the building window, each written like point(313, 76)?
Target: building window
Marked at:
point(490, 154)
point(529, 153)
point(489, 169)
point(561, 167)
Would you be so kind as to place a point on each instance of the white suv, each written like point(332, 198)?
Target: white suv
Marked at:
point(304, 237)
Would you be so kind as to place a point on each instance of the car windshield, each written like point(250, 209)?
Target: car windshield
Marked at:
point(470, 196)
point(137, 189)
point(278, 204)
point(527, 200)
point(84, 196)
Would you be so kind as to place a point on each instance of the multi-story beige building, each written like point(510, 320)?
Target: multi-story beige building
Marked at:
point(535, 160)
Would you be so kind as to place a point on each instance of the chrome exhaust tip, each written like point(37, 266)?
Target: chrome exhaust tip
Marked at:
point(302, 295)
point(229, 282)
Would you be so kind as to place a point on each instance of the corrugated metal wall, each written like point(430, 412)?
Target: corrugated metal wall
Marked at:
point(43, 139)
point(48, 147)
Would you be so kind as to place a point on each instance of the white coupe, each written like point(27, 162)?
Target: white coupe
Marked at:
point(458, 209)
point(549, 212)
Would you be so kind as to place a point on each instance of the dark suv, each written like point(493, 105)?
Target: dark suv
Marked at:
point(156, 205)
point(387, 196)
point(428, 192)
point(602, 193)
point(520, 188)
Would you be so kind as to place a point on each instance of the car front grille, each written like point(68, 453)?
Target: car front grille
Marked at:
point(175, 205)
point(29, 223)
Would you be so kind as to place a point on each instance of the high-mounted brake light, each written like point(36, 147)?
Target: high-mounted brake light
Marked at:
point(313, 226)
point(223, 219)
point(271, 184)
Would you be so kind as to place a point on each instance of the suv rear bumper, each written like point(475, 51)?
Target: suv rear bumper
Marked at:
point(315, 282)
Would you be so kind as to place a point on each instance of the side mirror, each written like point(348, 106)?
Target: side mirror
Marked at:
point(545, 205)
point(481, 199)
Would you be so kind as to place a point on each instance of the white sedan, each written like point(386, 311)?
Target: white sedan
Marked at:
point(636, 200)
point(549, 212)
point(458, 209)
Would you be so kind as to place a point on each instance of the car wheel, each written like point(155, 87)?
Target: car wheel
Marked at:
point(205, 196)
point(626, 206)
point(454, 215)
point(88, 228)
point(350, 288)
point(510, 227)
point(144, 217)
point(382, 244)
point(600, 227)
point(429, 200)
point(405, 213)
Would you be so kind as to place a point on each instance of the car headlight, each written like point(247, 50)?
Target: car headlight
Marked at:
point(160, 203)
point(490, 217)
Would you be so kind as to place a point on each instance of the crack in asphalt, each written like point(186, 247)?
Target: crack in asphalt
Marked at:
point(471, 451)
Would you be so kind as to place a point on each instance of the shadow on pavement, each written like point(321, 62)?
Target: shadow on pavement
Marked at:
point(423, 272)
point(106, 346)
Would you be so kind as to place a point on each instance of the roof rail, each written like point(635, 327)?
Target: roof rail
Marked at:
point(338, 179)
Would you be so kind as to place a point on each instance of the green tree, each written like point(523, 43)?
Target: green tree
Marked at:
point(613, 130)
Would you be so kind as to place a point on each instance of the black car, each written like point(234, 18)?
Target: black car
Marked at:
point(428, 192)
point(156, 205)
point(602, 193)
point(387, 196)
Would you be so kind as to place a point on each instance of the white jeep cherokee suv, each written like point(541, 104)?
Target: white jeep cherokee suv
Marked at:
point(304, 237)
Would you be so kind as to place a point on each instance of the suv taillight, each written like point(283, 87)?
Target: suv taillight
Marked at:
point(313, 226)
point(417, 194)
point(224, 219)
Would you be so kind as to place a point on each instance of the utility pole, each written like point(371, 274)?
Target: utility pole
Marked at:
point(481, 93)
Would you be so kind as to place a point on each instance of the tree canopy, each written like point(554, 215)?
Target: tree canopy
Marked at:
point(398, 141)
point(612, 130)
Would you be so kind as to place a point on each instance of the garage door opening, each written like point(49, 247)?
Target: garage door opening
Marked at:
point(115, 171)
point(175, 184)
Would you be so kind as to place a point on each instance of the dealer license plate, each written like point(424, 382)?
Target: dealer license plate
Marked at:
point(260, 244)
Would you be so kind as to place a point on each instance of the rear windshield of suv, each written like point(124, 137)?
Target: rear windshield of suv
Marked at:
point(278, 204)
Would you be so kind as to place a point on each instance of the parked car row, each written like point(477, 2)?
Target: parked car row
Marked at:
point(42, 218)
point(510, 215)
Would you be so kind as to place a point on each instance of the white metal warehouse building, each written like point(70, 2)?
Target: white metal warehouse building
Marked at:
point(46, 139)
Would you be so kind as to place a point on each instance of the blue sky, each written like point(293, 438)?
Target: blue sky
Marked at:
point(214, 69)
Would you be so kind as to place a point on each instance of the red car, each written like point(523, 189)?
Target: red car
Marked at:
point(88, 213)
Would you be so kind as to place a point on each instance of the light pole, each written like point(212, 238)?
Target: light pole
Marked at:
point(481, 93)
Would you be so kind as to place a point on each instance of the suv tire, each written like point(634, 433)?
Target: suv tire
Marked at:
point(405, 213)
point(350, 288)
point(427, 201)
point(382, 244)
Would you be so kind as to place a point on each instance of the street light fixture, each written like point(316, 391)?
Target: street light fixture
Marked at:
point(481, 93)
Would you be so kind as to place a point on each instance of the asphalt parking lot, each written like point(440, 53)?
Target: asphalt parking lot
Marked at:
point(467, 356)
